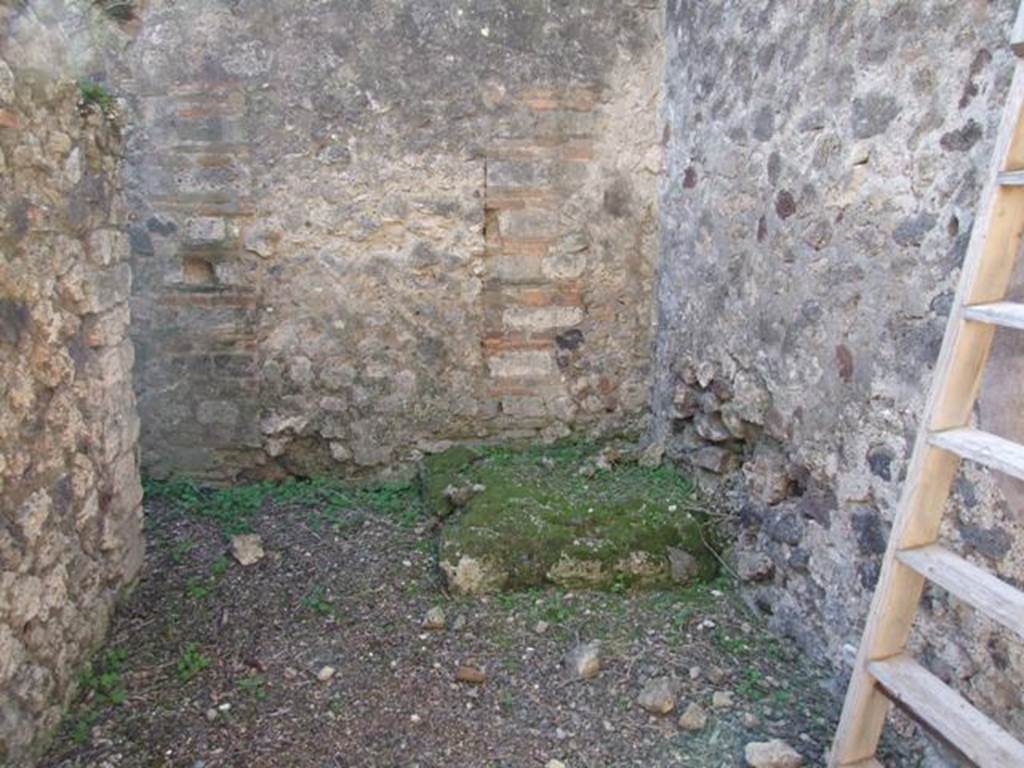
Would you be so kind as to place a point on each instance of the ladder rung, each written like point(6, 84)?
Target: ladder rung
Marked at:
point(945, 712)
point(975, 586)
point(1011, 179)
point(985, 448)
point(1008, 314)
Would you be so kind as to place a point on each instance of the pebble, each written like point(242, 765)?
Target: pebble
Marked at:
point(750, 720)
point(658, 696)
point(772, 754)
point(435, 619)
point(247, 548)
point(721, 699)
point(211, 714)
point(694, 718)
point(325, 674)
point(468, 674)
point(555, 764)
point(695, 673)
point(460, 623)
point(541, 627)
point(716, 675)
point(584, 661)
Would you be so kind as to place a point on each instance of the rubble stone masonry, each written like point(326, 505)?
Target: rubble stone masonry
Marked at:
point(825, 162)
point(70, 497)
point(365, 231)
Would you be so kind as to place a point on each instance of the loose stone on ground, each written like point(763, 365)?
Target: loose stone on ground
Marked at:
point(471, 675)
point(772, 754)
point(722, 700)
point(659, 696)
point(584, 661)
point(435, 619)
point(694, 718)
point(247, 548)
point(325, 674)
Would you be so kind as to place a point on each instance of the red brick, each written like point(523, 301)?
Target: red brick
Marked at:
point(517, 197)
point(569, 294)
point(574, 99)
point(498, 343)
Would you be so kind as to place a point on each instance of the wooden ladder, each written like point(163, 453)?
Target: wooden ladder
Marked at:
point(884, 673)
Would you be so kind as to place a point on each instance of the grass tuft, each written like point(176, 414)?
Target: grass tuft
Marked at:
point(191, 662)
point(233, 509)
point(93, 94)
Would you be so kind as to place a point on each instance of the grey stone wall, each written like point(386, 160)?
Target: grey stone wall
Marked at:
point(366, 230)
point(70, 515)
point(824, 164)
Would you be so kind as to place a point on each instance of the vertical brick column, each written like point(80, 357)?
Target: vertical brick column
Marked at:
point(534, 289)
point(201, 399)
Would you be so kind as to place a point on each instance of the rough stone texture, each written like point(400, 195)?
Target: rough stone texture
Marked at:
point(369, 229)
point(772, 754)
point(824, 166)
point(70, 514)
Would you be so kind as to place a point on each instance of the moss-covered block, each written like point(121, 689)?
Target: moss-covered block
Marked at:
point(563, 514)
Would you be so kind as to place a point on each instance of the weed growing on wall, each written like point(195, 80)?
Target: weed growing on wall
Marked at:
point(119, 10)
point(93, 94)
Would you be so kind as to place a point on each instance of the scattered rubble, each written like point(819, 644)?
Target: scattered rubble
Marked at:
point(247, 548)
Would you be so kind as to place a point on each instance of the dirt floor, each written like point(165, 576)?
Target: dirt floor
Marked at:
point(211, 663)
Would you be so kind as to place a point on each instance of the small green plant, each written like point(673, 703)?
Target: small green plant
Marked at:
point(316, 601)
point(554, 610)
point(83, 724)
point(782, 698)
point(180, 549)
point(219, 567)
point(336, 704)
point(736, 645)
point(399, 501)
point(752, 686)
point(182, 493)
point(102, 685)
point(119, 10)
point(103, 679)
point(196, 589)
point(191, 662)
point(619, 584)
point(93, 94)
point(253, 685)
point(327, 499)
point(425, 546)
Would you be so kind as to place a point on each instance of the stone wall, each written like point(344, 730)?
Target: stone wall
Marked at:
point(369, 229)
point(824, 164)
point(70, 515)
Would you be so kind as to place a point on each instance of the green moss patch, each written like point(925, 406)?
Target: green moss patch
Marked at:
point(572, 514)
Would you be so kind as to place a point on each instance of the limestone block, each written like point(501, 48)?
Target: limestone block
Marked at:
point(523, 363)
